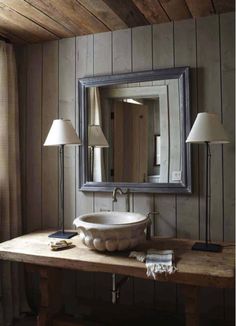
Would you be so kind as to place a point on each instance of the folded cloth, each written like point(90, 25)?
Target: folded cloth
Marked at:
point(157, 261)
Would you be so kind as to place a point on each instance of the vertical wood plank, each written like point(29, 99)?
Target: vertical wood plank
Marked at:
point(227, 22)
point(188, 206)
point(84, 200)
point(142, 203)
point(84, 68)
point(49, 154)
point(102, 201)
point(227, 27)
point(33, 138)
point(121, 60)
point(163, 57)
point(185, 55)
point(209, 100)
point(21, 62)
point(67, 111)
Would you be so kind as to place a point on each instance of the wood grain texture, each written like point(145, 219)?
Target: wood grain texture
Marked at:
point(71, 15)
point(152, 11)
point(200, 8)
point(25, 9)
point(121, 51)
point(175, 9)
point(33, 138)
point(127, 11)
point(50, 171)
point(194, 267)
point(104, 13)
point(19, 25)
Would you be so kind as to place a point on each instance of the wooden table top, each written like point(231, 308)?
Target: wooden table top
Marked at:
point(194, 267)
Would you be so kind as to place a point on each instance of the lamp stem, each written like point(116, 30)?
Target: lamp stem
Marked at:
point(62, 185)
point(207, 190)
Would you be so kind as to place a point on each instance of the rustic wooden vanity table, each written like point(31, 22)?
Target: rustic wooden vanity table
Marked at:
point(195, 269)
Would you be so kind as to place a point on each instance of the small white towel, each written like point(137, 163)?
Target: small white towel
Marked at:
point(157, 261)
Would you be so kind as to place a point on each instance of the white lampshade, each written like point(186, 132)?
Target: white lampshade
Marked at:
point(207, 128)
point(62, 133)
point(96, 137)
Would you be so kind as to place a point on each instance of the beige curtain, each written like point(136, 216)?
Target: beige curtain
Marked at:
point(11, 294)
point(95, 118)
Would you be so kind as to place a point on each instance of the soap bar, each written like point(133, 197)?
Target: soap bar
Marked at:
point(61, 244)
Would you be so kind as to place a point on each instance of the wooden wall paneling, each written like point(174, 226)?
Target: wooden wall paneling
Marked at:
point(121, 51)
point(33, 138)
point(84, 200)
point(21, 63)
point(185, 55)
point(209, 99)
point(188, 206)
point(67, 111)
point(50, 183)
point(163, 57)
point(84, 67)
point(227, 24)
point(142, 203)
point(102, 201)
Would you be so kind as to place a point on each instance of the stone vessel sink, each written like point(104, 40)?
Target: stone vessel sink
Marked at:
point(111, 230)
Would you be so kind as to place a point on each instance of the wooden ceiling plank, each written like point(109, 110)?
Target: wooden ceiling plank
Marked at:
point(25, 28)
point(104, 13)
point(200, 8)
point(25, 9)
point(222, 6)
point(175, 9)
point(128, 12)
point(152, 11)
point(71, 14)
point(11, 37)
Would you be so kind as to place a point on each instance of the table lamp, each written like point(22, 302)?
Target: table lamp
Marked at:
point(207, 129)
point(96, 138)
point(60, 134)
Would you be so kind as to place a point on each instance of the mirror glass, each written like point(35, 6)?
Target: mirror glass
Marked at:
point(133, 128)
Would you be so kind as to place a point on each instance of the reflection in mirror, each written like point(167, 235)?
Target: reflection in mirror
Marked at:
point(134, 132)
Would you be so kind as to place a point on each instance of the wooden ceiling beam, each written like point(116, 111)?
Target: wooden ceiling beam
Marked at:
point(70, 14)
point(11, 37)
point(25, 9)
point(22, 27)
point(222, 6)
point(128, 12)
point(152, 11)
point(176, 9)
point(200, 8)
point(104, 13)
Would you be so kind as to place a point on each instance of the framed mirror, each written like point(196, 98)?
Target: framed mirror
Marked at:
point(133, 129)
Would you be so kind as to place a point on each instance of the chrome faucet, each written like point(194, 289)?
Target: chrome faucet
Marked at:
point(122, 192)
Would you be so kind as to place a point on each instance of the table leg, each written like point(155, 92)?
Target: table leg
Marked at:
point(191, 305)
point(50, 289)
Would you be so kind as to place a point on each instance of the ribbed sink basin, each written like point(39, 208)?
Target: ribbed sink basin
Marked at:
point(111, 230)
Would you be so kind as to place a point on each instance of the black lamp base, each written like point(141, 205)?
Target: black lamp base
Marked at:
point(202, 246)
point(63, 235)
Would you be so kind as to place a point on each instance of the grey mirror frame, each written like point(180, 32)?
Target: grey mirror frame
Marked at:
point(180, 73)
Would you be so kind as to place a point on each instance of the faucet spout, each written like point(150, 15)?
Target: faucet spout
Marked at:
point(126, 192)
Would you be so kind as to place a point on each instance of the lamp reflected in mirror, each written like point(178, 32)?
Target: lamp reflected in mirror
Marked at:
point(96, 139)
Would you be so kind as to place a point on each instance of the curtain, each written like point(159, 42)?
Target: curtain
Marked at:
point(12, 299)
point(95, 118)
